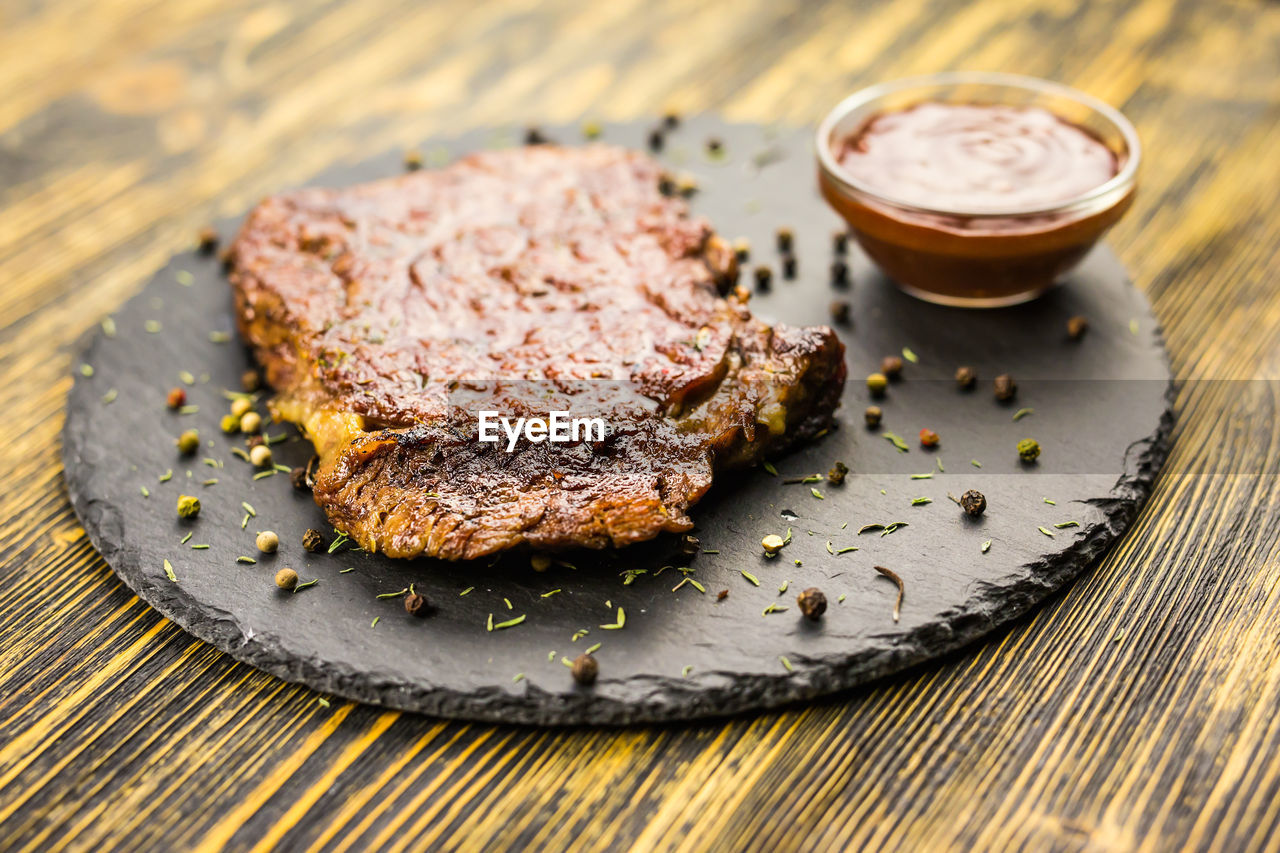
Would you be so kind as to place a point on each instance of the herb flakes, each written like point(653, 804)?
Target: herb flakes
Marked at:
point(893, 576)
point(897, 441)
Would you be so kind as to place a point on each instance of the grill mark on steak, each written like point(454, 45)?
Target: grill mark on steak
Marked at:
point(386, 314)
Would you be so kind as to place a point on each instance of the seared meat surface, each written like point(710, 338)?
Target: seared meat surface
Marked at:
point(387, 315)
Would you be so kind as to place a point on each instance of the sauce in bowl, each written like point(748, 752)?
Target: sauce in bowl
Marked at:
point(985, 194)
point(977, 157)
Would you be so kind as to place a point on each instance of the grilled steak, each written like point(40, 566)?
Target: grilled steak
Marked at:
point(388, 315)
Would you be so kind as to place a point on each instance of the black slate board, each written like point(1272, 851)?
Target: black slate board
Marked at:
point(1101, 413)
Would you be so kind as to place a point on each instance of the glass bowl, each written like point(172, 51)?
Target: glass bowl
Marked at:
point(979, 257)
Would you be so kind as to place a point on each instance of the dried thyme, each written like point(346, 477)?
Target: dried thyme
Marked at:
point(893, 576)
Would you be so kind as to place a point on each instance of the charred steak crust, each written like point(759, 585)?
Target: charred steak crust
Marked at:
point(386, 313)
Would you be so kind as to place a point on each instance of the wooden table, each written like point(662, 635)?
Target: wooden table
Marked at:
point(1136, 710)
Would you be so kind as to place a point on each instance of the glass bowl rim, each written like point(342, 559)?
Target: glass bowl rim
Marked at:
point(1122, 180)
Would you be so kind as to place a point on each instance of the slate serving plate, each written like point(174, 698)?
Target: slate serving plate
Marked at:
point(1100, 412)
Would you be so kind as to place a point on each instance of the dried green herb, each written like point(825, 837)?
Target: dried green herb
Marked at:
point(519, 676)
point(465, 591)
point(248, 561)
point(754, 580)
point(975, 463)
point(1022, 413)
point(622, 614)
point(892, 526)
point(300, 587)
point(404, 591)
point(374, 623)
point(168, 571)
point(928, 476)
point(109, 327)
point(1049, 502)
point(868, 528)
point(773, 608)
point(817, 494)
point(786, 663)
point(845, 550)
point(910, 356)
point(1063, 524)
point(110, 397)
point(986, 546)
point(1048, 533)
point(549, 594)
point(897, 441)
point(684, 672)
point(921, 501)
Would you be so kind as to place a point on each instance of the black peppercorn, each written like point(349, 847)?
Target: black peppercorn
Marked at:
point(689, 545)
point(873, 416)
point(534, 136)
point(839, 273)
point(250, 381)
point(788, 266)
point(722, 595)
point(313, 540)
point(298, 477)
point(840, 242)
point(840, 311)
point(812, 603)
point(1005, 387)
point(891, 366)
point(764, 277)
point(207, 240)
point(1076, 327)
point(413, 160)
point(671, 120)
point(786, 238)
point(714, 145)
point(973, 502)
point(966, 378)
point(655, 140)
point(585, 670)
point(416, 604)
point(837, 473)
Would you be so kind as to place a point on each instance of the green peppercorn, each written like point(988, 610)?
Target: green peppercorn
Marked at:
point(188, 506)
point(260, 456)
point(585, 670)
point(286, 579)
point(1028, 450)
point(837, 473)
point(241, 406)
point(188, 442)
point(230, 424)
point(876, 383)
point(267, 541)
point(592, 130)
point(873, 415)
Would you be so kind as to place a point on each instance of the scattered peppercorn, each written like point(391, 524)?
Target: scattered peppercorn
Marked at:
point(251, 422)
point(839, 273)
point(1028, 450)
point(891, 366)
point(540, 562)
point(973, 502)
point(267, 541)
point(789, 266)
point(413, 160)
point(585, 670)
point(772, 544)
point(671, 120)
point(230, 424)
point(837, 473)
point(260, 456)
point(686, 184)
point(592, 130)
point(188, 442)
point(1005, 387)
point(966, 378)
point(416, 604)
point(841, 311)
point(253, 440)
point(690, 545)
point(188, 506)
point(1077, 326)
point(742, 248)
point(656, 140)
point(722, 595)
point(250, 381)
point(666, 185)
point(812, 603)
point(226, 257)
point(534, 136)
point(928, 438)
point(177, 398)
point(207, 240)
point(240, 406)
point(313, 540)
point(286, 579)
point(873, 416)
point(786, 239)
point(840, 242)
point(764, 277)
point(876, 383)
point(714, 145)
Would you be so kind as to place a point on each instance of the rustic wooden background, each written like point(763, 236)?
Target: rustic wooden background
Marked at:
point(1137, 710)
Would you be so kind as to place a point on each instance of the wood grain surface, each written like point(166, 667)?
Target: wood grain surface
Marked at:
point(1135, 711)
